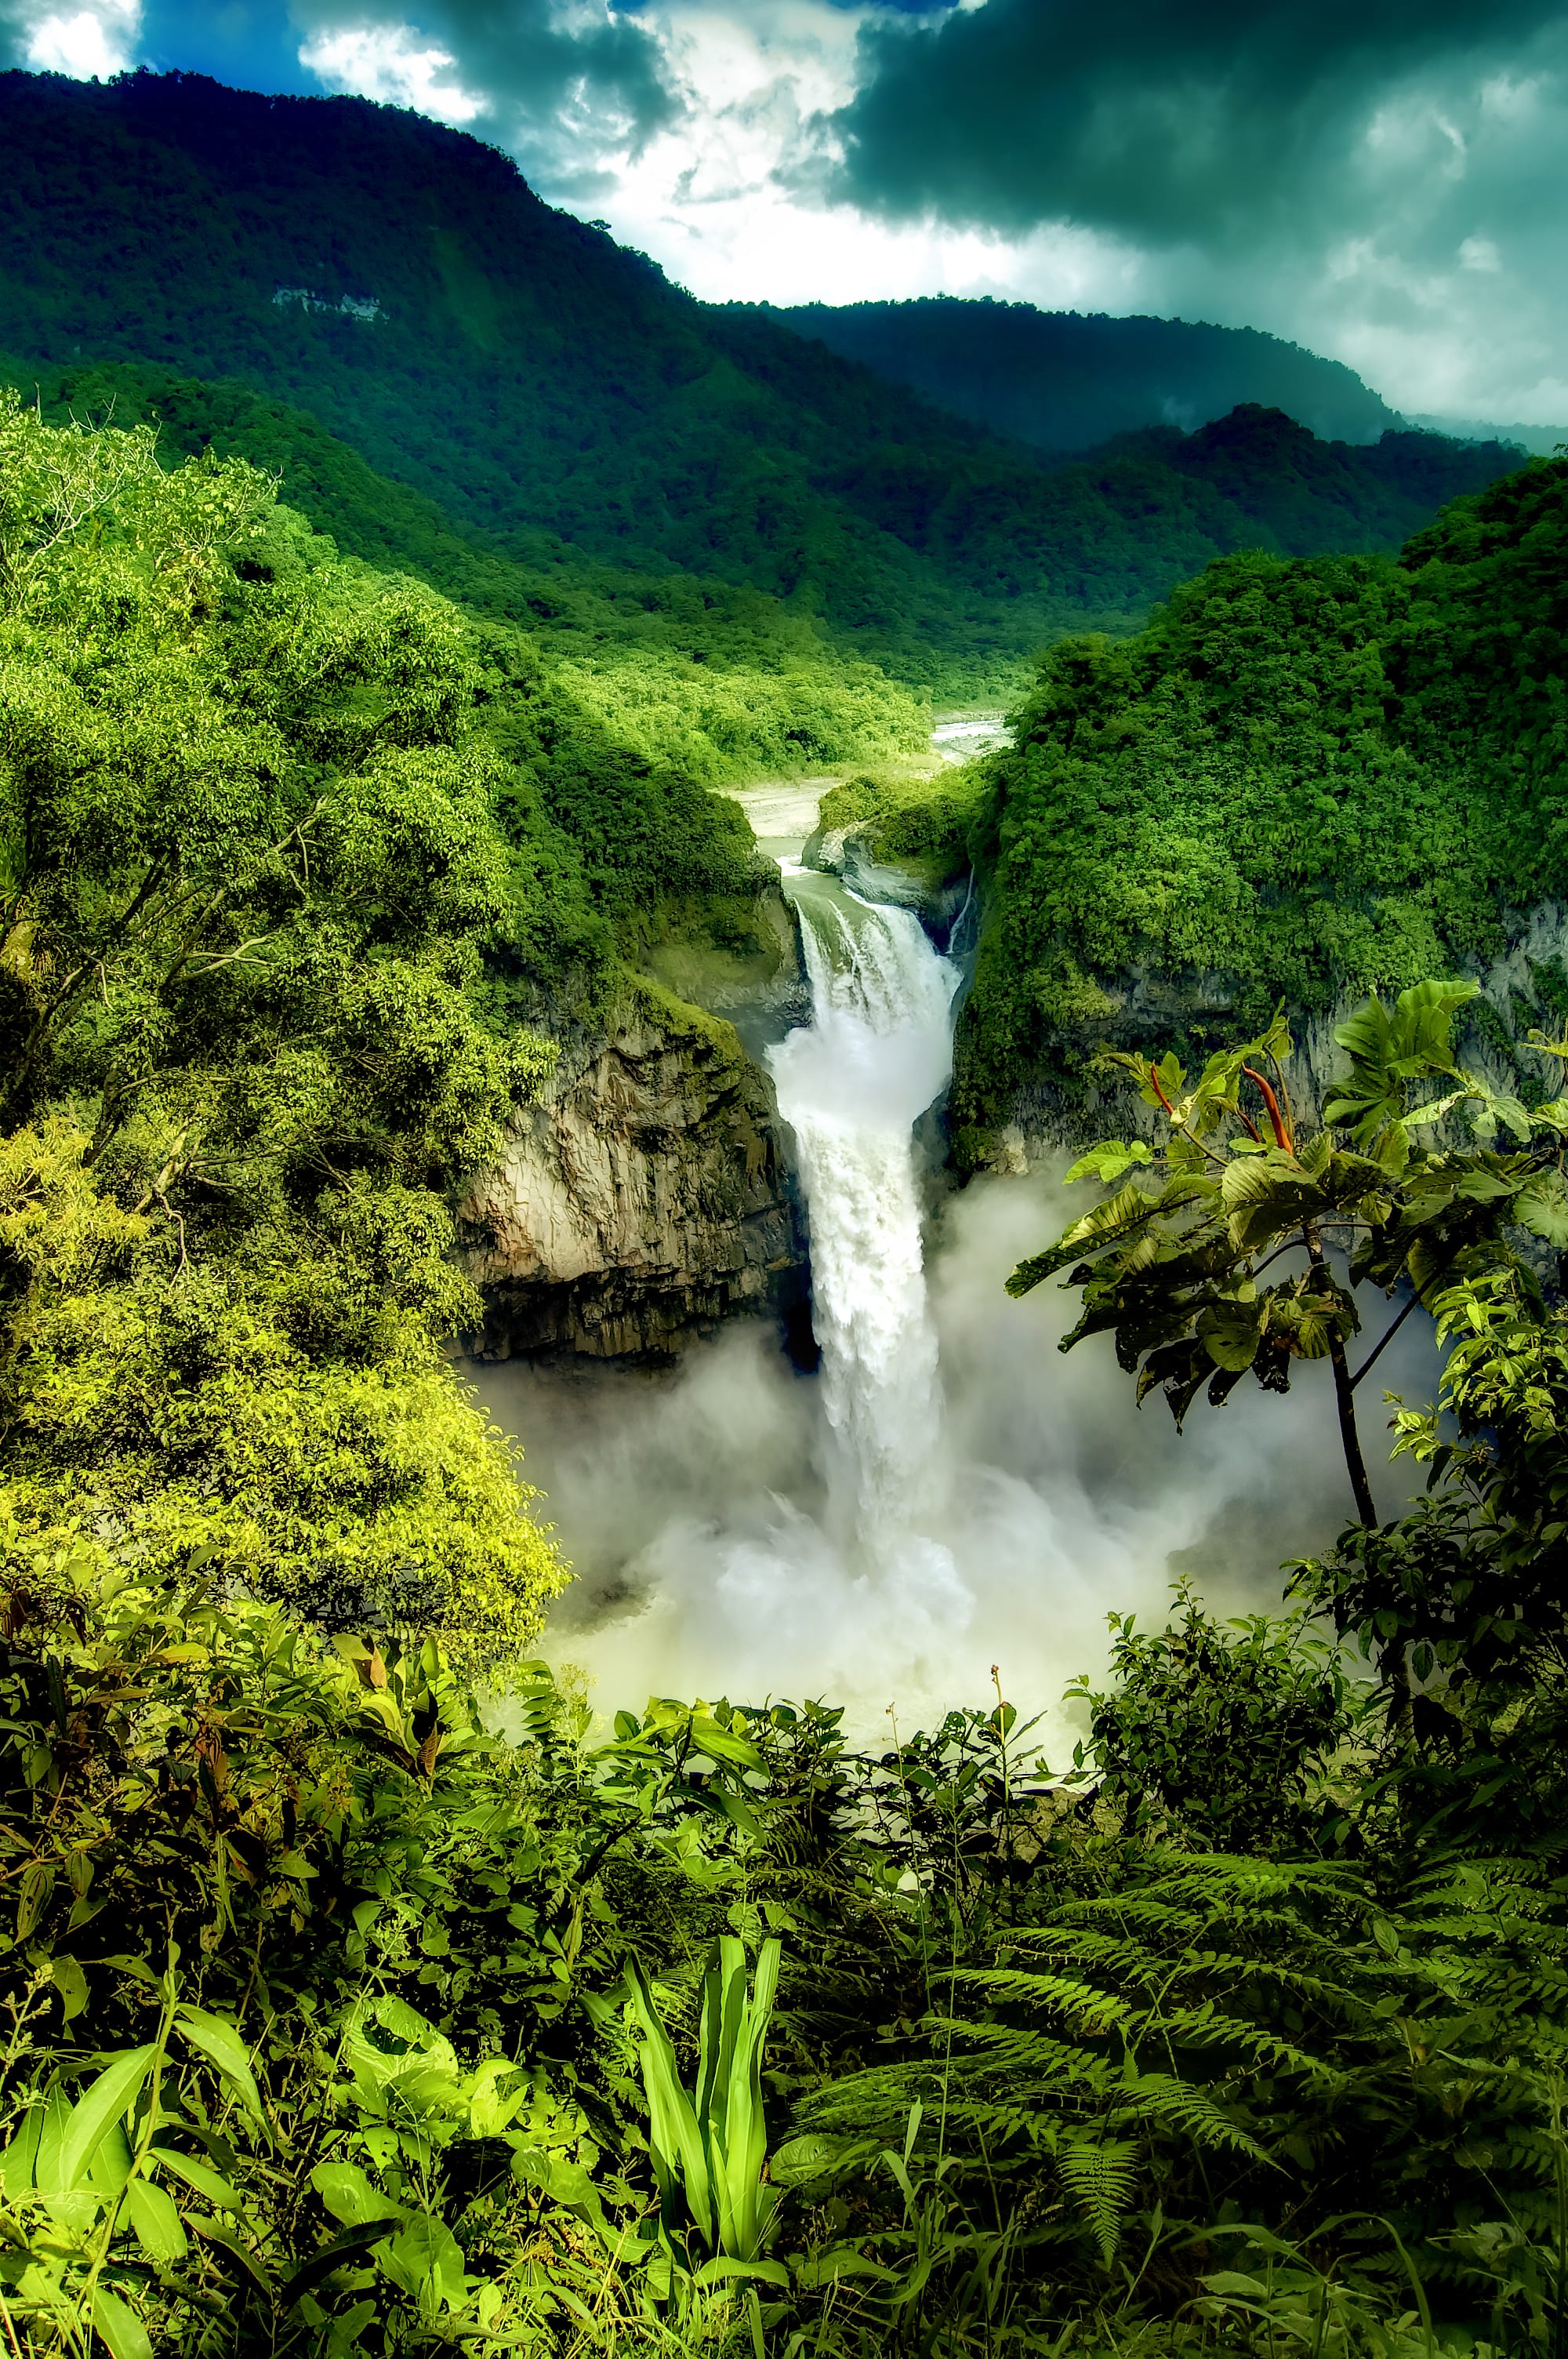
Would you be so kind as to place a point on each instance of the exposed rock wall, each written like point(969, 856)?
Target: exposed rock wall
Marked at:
point(644, 1199)
point(1145, 1005)
point(650, 1193)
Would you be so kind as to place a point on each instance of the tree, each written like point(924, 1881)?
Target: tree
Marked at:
point(249, 866)
point(1171, 1270)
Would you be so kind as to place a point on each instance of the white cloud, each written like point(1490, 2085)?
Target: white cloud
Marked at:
point(1380, 264)
point(390, 62)
point(726, 197)
point(94, 42)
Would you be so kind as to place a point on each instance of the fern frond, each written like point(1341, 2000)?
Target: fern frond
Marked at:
point(1100, 2176)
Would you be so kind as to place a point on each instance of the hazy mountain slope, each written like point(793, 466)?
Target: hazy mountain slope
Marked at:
point(1064, 381)
point(401, 283)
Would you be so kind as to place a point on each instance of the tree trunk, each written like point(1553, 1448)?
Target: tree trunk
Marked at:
point(1343, 1397)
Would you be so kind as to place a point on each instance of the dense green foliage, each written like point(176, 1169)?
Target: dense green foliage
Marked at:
point(253, 867)
point(340, 2024)
point(712, 678)
point(1302, 779)
point(355, 2012)
point(567, 410)
point(1061, 381)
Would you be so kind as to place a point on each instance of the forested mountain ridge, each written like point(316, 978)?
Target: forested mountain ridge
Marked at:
point(1062, 381)
point(561, 401)
point(1306, 778)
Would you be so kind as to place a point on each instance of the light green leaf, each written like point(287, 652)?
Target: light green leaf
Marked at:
point(156, 2219)
point(1543, 1208)
point(219, 2042)
point(489, 2111)
point(123, 2335)
point(37, 1883)
point(196, 2174)
point(1119, 1217)
point(71, 1984)
point(96, 2113)
point(424, 2258)
point(1110, 1160)
point(348, 2195)
point(1230, 1333)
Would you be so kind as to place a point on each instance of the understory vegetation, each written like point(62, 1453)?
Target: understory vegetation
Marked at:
point(358, 1998)
point(349, 2011)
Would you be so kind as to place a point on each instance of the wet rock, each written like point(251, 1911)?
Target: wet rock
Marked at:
point(644, 1199)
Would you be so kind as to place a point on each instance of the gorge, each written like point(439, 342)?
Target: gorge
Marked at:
point(942, 1491)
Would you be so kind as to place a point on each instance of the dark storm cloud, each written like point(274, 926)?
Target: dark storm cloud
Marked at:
point(1161, 123)
point(556, 87)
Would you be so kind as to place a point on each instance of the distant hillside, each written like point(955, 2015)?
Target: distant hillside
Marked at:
point(1062, 381)
point(1541, 441)
point(566, 411)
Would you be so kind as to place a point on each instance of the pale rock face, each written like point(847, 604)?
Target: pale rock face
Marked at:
point(642, 1200)
point(1142, 1003)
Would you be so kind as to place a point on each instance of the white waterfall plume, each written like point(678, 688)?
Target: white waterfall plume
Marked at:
point(851, 1085)
point(740, 1528)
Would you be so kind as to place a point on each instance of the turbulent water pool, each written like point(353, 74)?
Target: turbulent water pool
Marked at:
point(947, 1491)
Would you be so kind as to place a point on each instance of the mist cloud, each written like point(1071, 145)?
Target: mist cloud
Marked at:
point(693, 1507)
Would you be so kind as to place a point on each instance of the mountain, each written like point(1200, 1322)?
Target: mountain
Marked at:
point(564, 412)
point(1062, 381)
point(1307, 778)
point(1541, 441)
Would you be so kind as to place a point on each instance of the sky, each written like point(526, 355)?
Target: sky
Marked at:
point(1385, 181)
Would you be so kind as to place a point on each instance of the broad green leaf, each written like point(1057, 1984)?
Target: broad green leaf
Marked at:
point(1230, 1334)
point(566, 2182)
point(219, 2042)
point(1119, 1216)
point(424, 2258)
point(19, 2162)
point(121, 2331)
point(803, 2159)
point(489, 2111)
point(96, 2113)
point(1109, 1161)
point(196, 2174)
point(37, 1883)
point(349, 2196)
point(724, 2270)
point(156, 2219)
point(71, 1984)
point(839, 2261)
point(1543, 1208)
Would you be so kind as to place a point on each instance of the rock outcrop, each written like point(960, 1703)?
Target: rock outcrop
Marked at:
point(1146, 1006)
point(938, 890)
point(645, 1198)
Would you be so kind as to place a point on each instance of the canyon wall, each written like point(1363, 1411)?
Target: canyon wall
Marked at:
point(649, 1194)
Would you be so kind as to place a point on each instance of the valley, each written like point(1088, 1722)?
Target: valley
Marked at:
point(783, 1212)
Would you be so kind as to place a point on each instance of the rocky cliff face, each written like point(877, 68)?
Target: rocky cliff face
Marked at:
point(1144, 1006)
point(649, 1194)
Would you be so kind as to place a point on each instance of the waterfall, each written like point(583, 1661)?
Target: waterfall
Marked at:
point(852, 1084)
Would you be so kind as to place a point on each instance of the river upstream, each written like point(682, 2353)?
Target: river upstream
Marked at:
point(947, 1491)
